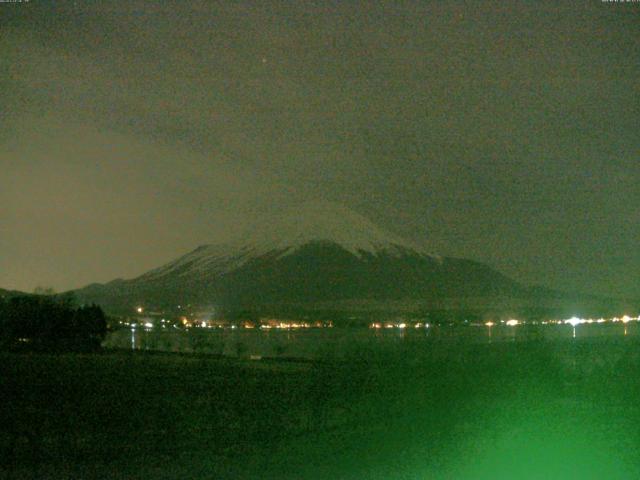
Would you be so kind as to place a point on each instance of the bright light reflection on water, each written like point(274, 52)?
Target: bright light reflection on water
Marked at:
point(312, 343)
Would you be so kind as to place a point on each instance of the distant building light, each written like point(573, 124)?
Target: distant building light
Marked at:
point(139, 310)
point(573, 321)
point(513, 322)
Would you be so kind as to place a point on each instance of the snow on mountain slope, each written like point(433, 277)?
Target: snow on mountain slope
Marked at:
point(323, 221)
point(287, 232)
point(315, 255)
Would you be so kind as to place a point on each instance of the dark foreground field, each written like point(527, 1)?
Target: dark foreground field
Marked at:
point(505, 411)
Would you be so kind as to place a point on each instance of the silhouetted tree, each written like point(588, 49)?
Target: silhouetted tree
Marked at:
point(90, 324)
point(44, 291)
point(49, 322)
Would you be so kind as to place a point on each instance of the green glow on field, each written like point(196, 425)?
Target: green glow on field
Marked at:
point(561, 442)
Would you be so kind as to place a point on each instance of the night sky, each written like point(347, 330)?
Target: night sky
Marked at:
point(505, 132)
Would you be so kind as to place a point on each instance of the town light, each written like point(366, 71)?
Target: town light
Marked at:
point(573, 321)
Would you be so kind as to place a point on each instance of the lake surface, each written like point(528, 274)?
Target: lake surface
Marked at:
point(313, 343)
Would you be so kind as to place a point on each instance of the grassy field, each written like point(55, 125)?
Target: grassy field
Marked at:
point(511, 410)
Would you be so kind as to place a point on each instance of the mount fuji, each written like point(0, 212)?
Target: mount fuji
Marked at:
point(320, 254)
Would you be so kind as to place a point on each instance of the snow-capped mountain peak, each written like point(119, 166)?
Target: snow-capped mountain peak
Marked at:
point(322, 221)
point(316, 256)
point(286, 232)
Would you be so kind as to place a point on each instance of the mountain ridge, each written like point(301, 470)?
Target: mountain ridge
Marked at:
point(326, 258)
point(316, 254)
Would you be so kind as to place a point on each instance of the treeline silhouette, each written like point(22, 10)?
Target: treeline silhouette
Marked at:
point(50, 323)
